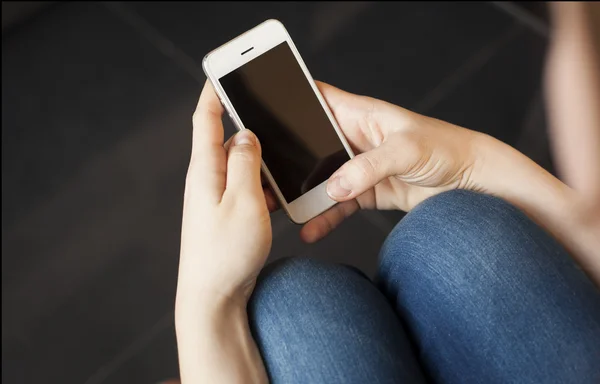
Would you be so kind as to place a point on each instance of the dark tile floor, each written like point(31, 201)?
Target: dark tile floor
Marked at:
point(96, 107)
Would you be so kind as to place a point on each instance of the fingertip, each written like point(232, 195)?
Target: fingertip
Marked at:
point(271, 201)
point(244, 165)
point(323, 224)
point(244, 137)
point(310, 232)
point(209, 99)
point(321, 85)
point(339, 189)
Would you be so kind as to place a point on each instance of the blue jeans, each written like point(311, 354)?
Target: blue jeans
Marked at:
point(469, 290)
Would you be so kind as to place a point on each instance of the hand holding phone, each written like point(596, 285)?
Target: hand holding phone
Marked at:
point(218, 266)
point(265, 86)
point(402, 159)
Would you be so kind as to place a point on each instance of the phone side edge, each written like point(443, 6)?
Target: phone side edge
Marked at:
point(216, 86)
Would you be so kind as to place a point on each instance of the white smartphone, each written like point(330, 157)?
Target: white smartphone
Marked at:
point(265, 86)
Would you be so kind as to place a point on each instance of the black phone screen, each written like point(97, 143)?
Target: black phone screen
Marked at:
point(274, 99)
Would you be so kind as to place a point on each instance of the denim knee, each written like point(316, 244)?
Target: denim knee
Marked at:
point(483, 288)
point(278, 277)
point(318, 322)
point(465, 239)
point(286, 284)
point(466, 255)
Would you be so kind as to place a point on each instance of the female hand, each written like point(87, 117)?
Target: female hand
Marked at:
point(402, 158)
point(226, 229)
point(225, 240)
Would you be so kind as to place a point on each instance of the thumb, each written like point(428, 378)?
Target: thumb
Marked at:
point(364, 171)
point(243, 164)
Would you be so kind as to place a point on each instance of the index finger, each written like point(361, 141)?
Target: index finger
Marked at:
point(208, 163)
point(208, 127)
point(326, 222)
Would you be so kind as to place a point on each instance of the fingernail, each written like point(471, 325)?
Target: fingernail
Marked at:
point(338, 187)
point(243, 138)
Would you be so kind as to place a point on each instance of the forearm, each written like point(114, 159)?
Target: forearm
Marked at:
point(572, 82)
point(571, 215)
point(505, 172)
point(215, 344)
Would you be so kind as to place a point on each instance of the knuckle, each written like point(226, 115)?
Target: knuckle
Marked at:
point(366, 166)
point(202, 114)
point(245, 153)
point(413, 142)
point(414, 145)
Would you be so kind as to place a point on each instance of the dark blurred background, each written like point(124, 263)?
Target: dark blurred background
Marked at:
point(97, 100)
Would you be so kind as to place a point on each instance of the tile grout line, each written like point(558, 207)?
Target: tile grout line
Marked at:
point(170, 50)
point(157, 39)
point(131, 350)
point(189, 65)
point(474, 63)
point(523, 16)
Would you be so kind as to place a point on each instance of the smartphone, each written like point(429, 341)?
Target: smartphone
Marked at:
point(265, 86)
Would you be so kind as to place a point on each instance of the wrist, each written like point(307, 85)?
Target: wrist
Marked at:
point(504, 171)
point(206, 308)
point(214, 341)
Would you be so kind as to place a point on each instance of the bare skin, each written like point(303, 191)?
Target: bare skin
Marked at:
point(403, 158)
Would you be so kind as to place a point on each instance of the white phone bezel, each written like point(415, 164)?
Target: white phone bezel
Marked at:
point(229, 57)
